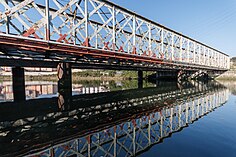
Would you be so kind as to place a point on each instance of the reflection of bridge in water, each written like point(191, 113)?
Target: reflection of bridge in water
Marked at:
point(124, 124)
point(132, 137)
point(41, 89)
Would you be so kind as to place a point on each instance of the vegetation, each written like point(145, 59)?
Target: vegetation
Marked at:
point(233, 63)
point(5, 78)
point(226, 78)
point(94, 75)
point(133, 74)
point(231, 74)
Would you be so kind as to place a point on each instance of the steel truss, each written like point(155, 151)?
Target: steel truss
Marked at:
point(101, 29)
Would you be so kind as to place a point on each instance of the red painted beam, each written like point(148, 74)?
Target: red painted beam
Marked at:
point(40, 46)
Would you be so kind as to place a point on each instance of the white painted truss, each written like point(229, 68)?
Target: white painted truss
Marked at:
point(103, 25)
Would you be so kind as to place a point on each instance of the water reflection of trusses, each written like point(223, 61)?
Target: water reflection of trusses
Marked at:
point(134, 136)
point(125, 127)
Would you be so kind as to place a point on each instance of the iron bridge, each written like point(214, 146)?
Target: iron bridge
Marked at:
point(96, 33)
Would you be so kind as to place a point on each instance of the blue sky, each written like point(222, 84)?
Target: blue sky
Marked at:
point(212, 22)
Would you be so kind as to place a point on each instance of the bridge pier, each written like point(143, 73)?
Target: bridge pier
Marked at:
point(18, 83)
point(64, 85)
point(140, 79)
point(157, 75)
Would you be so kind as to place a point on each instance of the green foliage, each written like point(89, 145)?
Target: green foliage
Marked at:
point(233, 65)
point(88, 73)
point(95, 73)
point(233, 59)
point(112, 73)
point(129, 74)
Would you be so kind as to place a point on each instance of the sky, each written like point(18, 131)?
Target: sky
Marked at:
point(212, 22)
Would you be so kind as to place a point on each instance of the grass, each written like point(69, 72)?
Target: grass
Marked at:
point(226, 78)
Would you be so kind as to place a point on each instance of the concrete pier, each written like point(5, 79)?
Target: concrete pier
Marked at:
point(64, 85)
point(18, 79)
point(140, 79)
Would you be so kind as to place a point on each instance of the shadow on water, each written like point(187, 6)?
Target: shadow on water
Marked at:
point(116, 123)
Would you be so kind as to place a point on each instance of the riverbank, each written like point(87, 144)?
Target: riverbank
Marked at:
point(228, 76)
point(108, 75)
point(54, 78)
point(77, 76)
point(224, 78)
point(230, 84)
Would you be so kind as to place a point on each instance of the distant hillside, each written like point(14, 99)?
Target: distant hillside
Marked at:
point(231, 74)
point(233, 59)
point(233, 63)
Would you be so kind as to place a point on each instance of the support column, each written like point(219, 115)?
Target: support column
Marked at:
point(140, 79)
point(157, 74)
point(18, 78)
point(64, 85)
point(157, 78)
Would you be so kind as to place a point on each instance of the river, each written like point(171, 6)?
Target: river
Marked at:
point(116, 118)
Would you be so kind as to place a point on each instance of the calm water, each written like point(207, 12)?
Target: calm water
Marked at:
point(212, 135)
point(117, 119)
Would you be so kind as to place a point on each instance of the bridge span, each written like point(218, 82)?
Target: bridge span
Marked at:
point(95, 34)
